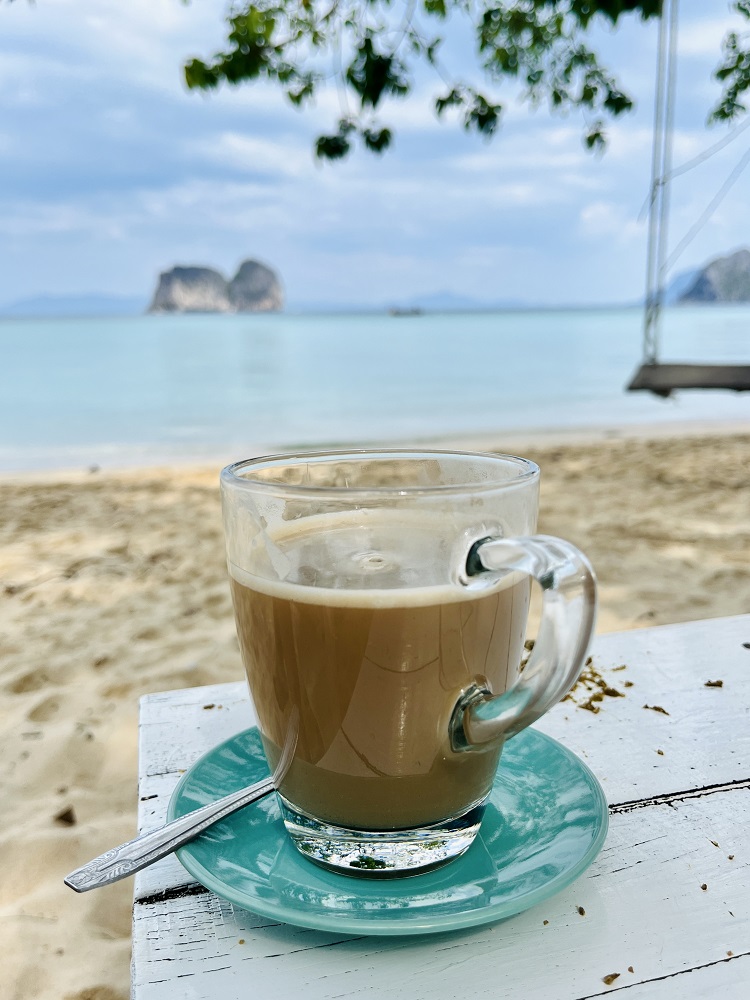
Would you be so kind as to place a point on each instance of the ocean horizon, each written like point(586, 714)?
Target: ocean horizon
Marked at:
point(191, 387)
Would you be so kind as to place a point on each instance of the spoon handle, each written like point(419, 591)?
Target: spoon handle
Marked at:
point(129, 858)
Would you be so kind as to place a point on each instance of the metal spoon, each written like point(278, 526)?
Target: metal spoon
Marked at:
point(129, 858)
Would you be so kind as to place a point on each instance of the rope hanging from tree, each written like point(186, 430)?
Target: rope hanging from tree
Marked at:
point(661, 168)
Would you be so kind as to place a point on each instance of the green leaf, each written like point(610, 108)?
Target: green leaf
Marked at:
point(588, 93)
point(199, 76)
point(373, 74)
point(335, 147)
point(452, 99)
point(431, 50)
point(302, 92)
point(595, 138)
point(617, 103)
point(482, 116)
point(377, 140)
point(332, 147)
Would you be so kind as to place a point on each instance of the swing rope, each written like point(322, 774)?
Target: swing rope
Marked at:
point(661, 168)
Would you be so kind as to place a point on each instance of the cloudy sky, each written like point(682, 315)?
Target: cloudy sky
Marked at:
point(111, 171)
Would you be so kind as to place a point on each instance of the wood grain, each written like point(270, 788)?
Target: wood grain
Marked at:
point(676, 818)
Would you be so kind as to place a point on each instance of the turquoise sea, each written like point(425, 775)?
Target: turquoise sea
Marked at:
point(121, 391)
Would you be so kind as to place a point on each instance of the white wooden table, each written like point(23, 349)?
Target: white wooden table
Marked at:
point(666, 905)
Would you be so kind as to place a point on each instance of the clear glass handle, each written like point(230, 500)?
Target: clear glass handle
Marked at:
point(568, 615)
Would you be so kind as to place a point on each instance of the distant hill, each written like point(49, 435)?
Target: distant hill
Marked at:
point(450, 302)
point(679, 285)
point(53, 306)
point(725, 279)
point(433, 302)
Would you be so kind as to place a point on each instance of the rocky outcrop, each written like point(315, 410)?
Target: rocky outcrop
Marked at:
point(255, 288)
point(191, 289)
point(726, 279)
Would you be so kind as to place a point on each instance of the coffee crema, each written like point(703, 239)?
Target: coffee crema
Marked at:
point(374, 665)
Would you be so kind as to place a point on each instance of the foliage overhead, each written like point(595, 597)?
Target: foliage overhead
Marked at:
point(371, 48)
point(734, 71)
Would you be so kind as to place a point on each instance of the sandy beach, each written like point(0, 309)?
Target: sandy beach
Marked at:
point(113, 585)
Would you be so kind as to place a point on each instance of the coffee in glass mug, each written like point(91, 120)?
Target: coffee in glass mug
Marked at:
point(381, 601)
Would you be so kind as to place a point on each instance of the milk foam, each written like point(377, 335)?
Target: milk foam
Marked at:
point(368, 559)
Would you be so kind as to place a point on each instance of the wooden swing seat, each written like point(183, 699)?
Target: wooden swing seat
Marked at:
point(663, 379)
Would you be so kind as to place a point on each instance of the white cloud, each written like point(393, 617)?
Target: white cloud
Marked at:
point(608, 219)
point(702, 38)
point(139, 43)
point(253, 153)
point(28, 219)
point(629, 144)
point(530, 148)
point(27, 84)
point(626, 141)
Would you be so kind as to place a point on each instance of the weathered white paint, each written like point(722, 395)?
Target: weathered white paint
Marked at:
point(643, 901)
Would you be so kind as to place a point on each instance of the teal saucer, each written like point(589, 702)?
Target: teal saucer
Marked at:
point(546, 821)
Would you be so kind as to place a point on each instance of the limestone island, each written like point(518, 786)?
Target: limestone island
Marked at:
point(254, 288)
point(725, 279)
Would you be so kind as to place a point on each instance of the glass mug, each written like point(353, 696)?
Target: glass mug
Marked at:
point(381, 602)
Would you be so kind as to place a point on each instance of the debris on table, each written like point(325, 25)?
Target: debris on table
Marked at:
point(592, 688)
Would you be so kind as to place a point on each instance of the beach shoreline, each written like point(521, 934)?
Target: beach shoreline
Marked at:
point(113, 585)
point(511, 441)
